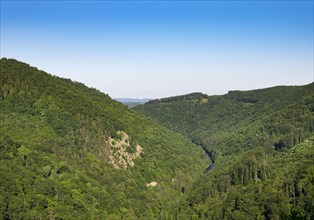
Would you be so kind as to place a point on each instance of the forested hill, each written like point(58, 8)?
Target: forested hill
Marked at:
point(71, 152)
point(262, 144)
point(280, 116)
point(191, 96)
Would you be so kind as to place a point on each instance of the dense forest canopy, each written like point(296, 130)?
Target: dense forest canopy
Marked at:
point(71, 152)
point(262, 145)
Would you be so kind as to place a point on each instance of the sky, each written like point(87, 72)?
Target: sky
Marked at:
point(154, 49)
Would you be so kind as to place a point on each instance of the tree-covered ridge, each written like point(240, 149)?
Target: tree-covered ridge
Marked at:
point(262, 145)
point(279, 116)
point(191, 96)
point(55, 153)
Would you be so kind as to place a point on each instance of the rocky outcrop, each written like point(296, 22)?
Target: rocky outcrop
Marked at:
point(152, 184)
point(122, 152)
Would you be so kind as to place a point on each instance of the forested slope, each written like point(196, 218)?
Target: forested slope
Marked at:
point(262, 145)
point(257, 185)
point(71, 152)
point(280, 116)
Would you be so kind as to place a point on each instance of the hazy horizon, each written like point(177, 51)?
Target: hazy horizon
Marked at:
point(155, 49)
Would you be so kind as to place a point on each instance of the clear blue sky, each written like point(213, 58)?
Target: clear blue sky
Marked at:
point(163, 48)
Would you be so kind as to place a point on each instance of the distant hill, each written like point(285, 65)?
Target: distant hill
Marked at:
point(191, 96)
point(71, 152)
point(131, 102)
point(262, 144)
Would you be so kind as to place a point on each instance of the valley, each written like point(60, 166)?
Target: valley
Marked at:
point(156, 110)
point(246, 133)
point(72, 152)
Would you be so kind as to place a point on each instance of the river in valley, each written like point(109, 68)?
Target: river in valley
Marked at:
point(212, 161)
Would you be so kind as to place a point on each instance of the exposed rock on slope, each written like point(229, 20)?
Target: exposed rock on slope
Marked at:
point(122, 151)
